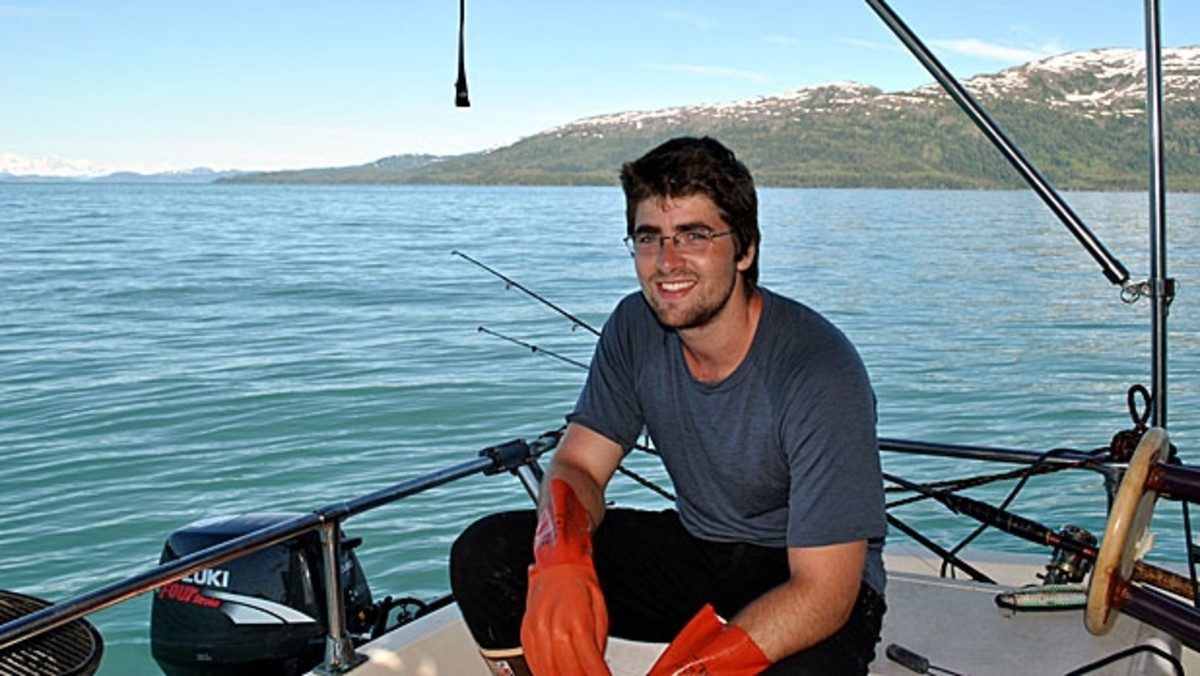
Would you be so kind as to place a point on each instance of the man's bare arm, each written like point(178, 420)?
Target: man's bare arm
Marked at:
point(586, 460)
point(812, 605)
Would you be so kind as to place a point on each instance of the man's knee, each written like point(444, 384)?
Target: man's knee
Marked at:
point(495, 544)
point(489, 565)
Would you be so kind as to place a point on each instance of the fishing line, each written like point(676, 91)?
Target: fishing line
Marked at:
point(1029, 472)
point(644, 481)
point(975, 573)
point(1006, 521)
point(955, 485)
point(533, 348)
point(509, 282)
point(947, 487)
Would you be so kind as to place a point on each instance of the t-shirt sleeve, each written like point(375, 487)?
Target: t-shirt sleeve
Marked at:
point(608, 404)
point(833, 453)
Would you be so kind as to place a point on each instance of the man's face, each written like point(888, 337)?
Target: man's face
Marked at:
point(687, 289)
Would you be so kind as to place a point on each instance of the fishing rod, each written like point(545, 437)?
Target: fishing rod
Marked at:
point(1010, 523)
point(533, 348)
point(1030, 530)
point(532, 294)
point(641, 447)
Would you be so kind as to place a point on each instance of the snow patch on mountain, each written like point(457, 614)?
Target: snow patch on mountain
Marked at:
point(50, 166)
point(1099, 82)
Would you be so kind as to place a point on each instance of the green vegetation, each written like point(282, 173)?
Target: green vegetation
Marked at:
point(918, 140)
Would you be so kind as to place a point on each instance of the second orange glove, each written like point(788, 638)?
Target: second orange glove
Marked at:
point(706, 645)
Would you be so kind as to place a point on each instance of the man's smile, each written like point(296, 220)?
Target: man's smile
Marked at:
point(676, 287)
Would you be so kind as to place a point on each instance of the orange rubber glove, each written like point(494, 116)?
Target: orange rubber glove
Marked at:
point(709, 646)
point(565, 629)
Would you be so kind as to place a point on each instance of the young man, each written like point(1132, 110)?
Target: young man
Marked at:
point(765, 420)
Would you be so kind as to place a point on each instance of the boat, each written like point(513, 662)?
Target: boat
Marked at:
point(1089, 603)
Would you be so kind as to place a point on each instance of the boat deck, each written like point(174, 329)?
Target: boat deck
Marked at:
point(954, 624)
point(957, 626)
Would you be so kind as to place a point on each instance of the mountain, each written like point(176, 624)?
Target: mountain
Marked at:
point(198, 175)
point(79, 172)
point(393, 169)
point(1080, 117)
point(15, 167)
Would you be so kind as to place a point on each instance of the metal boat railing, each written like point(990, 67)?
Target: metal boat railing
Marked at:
point(1066, 458)
point(516, 456)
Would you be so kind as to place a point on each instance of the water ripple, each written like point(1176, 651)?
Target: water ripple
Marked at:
point(176, 352)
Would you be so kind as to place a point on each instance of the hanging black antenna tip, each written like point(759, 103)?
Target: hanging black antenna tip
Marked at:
point(461, 100)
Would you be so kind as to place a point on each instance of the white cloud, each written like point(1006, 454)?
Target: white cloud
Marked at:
point(985, 50)
point(969, 47)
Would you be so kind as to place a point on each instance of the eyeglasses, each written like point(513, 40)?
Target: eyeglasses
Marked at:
point(686, 242)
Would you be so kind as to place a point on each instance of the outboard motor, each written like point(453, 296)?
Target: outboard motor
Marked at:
point(262, 613)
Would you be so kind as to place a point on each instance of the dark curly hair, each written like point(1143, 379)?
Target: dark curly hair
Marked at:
point(687, 166)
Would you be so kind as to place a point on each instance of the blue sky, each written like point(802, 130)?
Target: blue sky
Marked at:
point(265, 84)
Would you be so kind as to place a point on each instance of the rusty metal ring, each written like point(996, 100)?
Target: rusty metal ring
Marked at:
point(1127, 523)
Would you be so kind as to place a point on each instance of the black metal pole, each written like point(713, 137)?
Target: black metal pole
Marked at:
point(1180, 482)
point(1159, 610)
point(1160, 292)
point(1113, 269)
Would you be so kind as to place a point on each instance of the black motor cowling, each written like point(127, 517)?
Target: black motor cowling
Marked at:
point(262, 613)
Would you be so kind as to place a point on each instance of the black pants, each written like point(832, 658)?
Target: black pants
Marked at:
point(655, 577)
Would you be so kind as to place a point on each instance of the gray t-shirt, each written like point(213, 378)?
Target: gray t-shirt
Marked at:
point(782, 453)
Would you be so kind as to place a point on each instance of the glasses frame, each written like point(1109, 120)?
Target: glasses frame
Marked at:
point(705, 235)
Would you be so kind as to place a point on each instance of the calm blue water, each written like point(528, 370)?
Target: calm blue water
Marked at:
point(169, 353)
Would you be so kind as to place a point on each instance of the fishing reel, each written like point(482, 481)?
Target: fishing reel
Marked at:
point(1069, 566)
